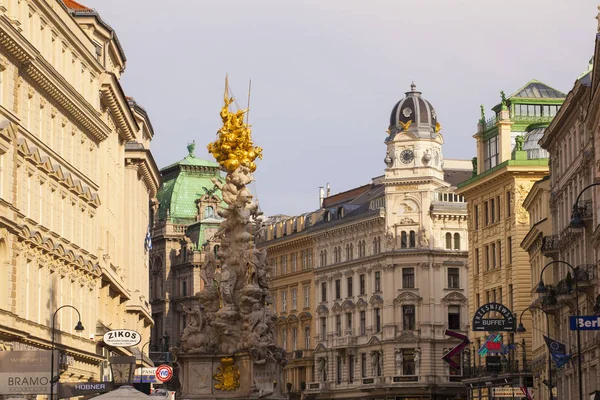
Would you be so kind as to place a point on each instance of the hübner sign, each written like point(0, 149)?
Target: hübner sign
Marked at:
point(122, 338)
point(25, 372)
point(506, 323)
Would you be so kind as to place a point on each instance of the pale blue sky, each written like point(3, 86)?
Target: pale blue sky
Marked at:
point(326, 74)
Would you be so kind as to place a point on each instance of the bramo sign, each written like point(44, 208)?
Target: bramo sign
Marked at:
point(122, 338)
point(506, 323)
point(25, 372)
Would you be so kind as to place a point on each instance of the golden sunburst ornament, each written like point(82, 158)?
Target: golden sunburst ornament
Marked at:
point(228, 377)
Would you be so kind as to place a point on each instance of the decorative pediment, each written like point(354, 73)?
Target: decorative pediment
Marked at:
point(361, 304)
point(57, 172)
point(25, 231)
point(80, 262)
point(8, 130)
point(454, 298)
point(348, 305)
point(45, 164)
point(320, 347)
point(37, 237)
point(281, 320)
point(376, 300)
point(406, 221)
point(34, 155)
point(304, 316)
point(23, 147)
point(48, 244)
point(336, 308)
point(374, 340)
point(407, 298)
point(322, 309)
point(60, 250)
point(70, 255)
point(407, 337)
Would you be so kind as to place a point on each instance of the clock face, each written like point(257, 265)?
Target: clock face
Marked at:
point(407, 156)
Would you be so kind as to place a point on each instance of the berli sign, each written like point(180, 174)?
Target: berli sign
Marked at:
point(25, 372)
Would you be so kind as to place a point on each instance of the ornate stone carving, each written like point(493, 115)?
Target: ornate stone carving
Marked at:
point(228, 375)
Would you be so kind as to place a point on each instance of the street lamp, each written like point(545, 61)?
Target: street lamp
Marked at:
point(79, 327)
point(576, 220)
point(521, 329)
point(542, 289)
point(123, 369)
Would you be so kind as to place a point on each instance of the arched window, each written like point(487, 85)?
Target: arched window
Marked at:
point(209, 212)
point(448, 240)
point(412, 239)
point(456, 241)
point(403, 240)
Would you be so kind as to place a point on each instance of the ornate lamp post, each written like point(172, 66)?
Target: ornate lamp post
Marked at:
point(521, 329)
point(542, 289)
point(576, 221)
point(79, 327)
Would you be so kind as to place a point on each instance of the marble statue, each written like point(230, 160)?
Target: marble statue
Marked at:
point(399, 360)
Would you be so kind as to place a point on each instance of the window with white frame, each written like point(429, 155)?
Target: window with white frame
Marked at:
point(294, 299)
point(307, 337)
point(293, 261)
point(284, 264)
point(453, 278)
point(306, 296)
point(294, 339)
point(283, 301)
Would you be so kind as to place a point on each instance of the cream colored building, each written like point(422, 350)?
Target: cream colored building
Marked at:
point(290, 249)
point(508, 162)
point(539, 243)
point(389, 271)
point(571, 141)
point(76, 178)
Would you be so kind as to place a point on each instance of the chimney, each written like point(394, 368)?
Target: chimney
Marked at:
point(328, 190)
point(321, 196)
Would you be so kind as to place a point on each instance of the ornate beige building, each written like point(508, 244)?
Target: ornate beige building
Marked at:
point(76, 178)
point(389, 271)
point(571, 141)
point(509, 161)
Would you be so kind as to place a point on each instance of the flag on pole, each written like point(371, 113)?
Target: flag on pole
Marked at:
point(148, 241)
point(558, 351)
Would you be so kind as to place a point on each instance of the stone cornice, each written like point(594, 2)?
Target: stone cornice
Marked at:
point(147, 168)
point(113, 97)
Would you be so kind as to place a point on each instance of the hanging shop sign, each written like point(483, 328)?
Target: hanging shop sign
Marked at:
point(76, 389)
point(586, 323)
point(122, 338)
point(25, 372)
point(505, 323)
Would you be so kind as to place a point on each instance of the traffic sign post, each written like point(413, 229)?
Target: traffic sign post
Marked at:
point(164, 373)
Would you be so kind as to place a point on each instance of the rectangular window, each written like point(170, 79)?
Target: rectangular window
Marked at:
point(493, 255)
point(324, 291)
point(306, 296)
point(338, 289)
point(498, 208)
point(476, 216)
point(408, 362)
point(363, 323)
point(486, 250)
point(338, 324)
point(499, 254)
point(294, 262)
point(508, 204)
point(509, 250)
point(486, 214)
point(408, 317)
point(408, 278)
point(351, 368)
point(377, 281)
point(453, 278)
point(454, 317)
point(476, 261)
point(284, 264)
point(283, 301)
point(493, 210)
point(377, 320)
point(323, 328)
point(307, 337)
point(294, 299)
point(339, 370)
point(294, 339)
point(184, 288)
point(361, 280)
point(490, 153)
point(477, 301)
point(349, 323)
point(349, 286)
point(363, 364)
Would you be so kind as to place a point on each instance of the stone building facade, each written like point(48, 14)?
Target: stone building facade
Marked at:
point(509, 161)
point(571, 141)
point(389, 271)
point(185, 221)
point(76, 178)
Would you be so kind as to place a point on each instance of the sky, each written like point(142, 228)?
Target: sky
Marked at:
point(326, 74)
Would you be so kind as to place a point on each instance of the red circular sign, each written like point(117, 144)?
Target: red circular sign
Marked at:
point(164, 373)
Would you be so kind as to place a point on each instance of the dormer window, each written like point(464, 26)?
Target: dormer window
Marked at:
point(327, 216)
point(340, 212)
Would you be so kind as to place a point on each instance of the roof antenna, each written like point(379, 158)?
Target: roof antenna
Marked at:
point(248, 112)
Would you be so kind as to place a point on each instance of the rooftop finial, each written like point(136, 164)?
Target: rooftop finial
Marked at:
point(413, 87)
point(191, 147)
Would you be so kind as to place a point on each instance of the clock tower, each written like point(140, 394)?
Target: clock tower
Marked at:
point(414, 166)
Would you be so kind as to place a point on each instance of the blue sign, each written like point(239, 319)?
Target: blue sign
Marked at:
point(586, 323)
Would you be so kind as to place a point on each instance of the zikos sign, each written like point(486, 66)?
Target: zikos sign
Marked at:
point(122, 338)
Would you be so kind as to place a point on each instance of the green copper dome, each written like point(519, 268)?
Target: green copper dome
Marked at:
point(183, 183)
